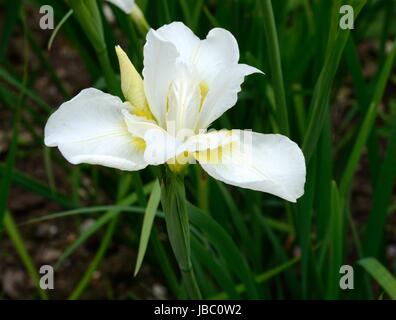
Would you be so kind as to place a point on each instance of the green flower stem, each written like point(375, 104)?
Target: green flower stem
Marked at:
point(173, 199)
point(275, 64)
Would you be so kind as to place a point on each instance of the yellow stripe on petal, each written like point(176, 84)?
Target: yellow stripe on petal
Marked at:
point(139, 144)
point(131, 82)
point(204, 89)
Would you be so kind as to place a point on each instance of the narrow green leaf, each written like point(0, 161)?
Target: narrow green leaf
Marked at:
point(218, 271)
point(261, 278)
point(103, 220)
point(381, 198)
point(151, 209)
point(55, 32)
point(367, 123)
point(275, 64)
point(32, 184)
point(224, 244)
point(10, 19)
point(335, 243)
point(322, 91)
point(20, 247)
point(380, 274)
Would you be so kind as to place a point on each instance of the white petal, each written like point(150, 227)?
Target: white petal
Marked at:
point(159, 69)
point(208, 141)
point(184, 98)
point(215, 63)
point(217, 52)
point(90, 128)
point(160, 145)
point(269, 163)
point(212, 62)
point(223, 93)
point(184, 40)
point(124, 5)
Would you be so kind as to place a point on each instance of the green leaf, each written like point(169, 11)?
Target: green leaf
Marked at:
point(380, 274)
point(29, 183)
point(275, 64)
point(381, 198)
point(261, 278)
point(4, 75)
point(219, 272)
point(224, 244)
point(367, 123)
point(321, 96)
point(336, 236)
point(16, 238)
point(103, 220)
point(149, 215)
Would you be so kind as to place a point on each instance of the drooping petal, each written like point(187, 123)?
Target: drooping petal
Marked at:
point(207, 141)
point(160, 65)
point(90, 128)
point(269, 163)
point(160, 146)
point(131, 81)
point(124, 5)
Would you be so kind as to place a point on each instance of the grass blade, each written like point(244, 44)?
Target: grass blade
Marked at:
point(20, 247)
point(151, 209)
point(322, 89)
point(224, 245)
point(367, 123)
point(275, 64)
point(380, 274)
point(381, 199)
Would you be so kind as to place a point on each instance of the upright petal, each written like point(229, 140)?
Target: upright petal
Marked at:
point(214, 65)
point(90, 128)
point(184, 40)
point(160, 65)
point(217, 62)
point(269, 163)
point(223, 93)
point(184, 98)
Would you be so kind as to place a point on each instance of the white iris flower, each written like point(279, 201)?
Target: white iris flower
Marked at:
point(187, 84)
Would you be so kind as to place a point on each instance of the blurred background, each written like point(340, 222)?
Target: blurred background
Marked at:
point(330, 90)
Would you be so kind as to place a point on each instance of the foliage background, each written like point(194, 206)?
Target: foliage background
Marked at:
point(331, 90)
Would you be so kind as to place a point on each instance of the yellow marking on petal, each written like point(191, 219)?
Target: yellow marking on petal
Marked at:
point(214, 156)
point(204, 89)
point(131, 82)
point(143, 112)
point(139, 144)
point(180, 162)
